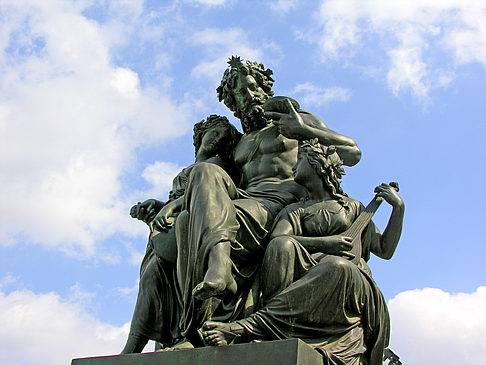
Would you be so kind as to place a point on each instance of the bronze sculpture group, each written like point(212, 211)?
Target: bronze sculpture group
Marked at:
point(250, 244)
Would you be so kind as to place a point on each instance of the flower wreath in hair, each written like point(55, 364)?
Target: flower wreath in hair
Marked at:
point(328, 165)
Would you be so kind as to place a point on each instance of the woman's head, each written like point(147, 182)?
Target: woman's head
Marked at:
point(217, 135)
point(326, 163)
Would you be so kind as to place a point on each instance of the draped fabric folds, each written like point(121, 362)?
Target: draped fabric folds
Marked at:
point(333, 304)
point(158, 308)
point(216, 211)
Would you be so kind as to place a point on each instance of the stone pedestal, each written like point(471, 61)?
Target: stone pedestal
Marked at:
point(284, 352)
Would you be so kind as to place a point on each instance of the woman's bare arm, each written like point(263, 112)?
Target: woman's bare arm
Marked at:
point(385, 247)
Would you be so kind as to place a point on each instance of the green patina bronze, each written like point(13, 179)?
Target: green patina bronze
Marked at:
point(253, 244)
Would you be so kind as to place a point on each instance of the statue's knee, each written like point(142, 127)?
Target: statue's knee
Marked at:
point(203, 170)
point(335, 264)
point(210, 178)
point(280, 246)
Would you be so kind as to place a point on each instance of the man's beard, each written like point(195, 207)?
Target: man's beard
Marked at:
point(254, 120)
point(253, 116)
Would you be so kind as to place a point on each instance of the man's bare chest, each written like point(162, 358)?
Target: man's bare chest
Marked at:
point(267, 142)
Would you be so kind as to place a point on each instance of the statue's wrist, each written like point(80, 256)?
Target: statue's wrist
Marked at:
point(305, 132)
point(398, 205)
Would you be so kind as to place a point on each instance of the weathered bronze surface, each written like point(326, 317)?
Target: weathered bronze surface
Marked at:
point(259, 241)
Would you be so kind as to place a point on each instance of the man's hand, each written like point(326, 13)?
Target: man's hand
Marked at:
point(164, 219)
point(338, 245)
point(145, 211)
point(291, 124)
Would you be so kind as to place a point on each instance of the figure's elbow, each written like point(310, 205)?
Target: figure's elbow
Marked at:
point(353, 156)
point(387, 256)
point(387, 250)
point(383, 254)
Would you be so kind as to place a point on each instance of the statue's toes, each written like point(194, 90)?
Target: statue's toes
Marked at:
point(206, 290)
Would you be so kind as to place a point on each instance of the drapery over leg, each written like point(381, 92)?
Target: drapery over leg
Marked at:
point(335, 306)
point(215, 211)
point(158, 308)
point(209, 217)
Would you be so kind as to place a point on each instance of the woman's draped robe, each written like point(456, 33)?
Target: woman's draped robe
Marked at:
point(159, 303)
point(334, 305)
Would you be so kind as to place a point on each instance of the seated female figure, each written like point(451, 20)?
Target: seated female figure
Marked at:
point(310, 290)
point(159, 304)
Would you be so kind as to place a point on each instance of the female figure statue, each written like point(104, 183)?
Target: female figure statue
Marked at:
point(159, 304)
point(310, 290)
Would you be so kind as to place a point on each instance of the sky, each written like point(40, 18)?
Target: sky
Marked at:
point(97, 104)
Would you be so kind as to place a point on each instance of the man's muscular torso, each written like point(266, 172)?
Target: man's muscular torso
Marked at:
point(272, 162)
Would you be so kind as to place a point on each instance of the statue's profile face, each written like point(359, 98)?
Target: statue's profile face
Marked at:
point(303, 171)
point(213, 139)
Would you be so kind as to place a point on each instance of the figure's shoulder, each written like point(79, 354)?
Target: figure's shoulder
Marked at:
point(349, 200)
point(217, 160)
point(355, 205)
point(184, 173)
point(311, 119)
point(291, 213)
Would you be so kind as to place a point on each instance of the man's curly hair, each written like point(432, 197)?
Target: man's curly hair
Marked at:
point(229, 143)
point(328, 165)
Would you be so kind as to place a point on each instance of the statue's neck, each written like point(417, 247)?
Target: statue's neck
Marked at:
point(316, 190)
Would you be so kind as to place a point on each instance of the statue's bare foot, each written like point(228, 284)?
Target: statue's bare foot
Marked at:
point(182, 345)
point(221, 334)
point(208, 289)
point(205, 290)
point(218, 279)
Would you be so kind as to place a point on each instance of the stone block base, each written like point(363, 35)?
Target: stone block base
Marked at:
point(284, 352)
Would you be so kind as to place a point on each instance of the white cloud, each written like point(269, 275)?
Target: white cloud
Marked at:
point(160, 175)
point(70, 122)
point(129, 293)
point(310, 94)
point(46, 329)
point(126, 82)
point(9, 280)
point(220, 44)
point(407, 70)
point(209, 2)
point(80, 296)
point(411, 33)
point(431, 326)
point(136, 257)
point(283, 6)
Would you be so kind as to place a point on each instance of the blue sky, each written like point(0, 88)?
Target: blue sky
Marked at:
point(97, 104)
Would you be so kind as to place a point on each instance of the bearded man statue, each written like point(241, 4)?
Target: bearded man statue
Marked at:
point(223, 228)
